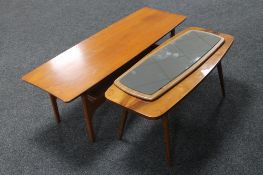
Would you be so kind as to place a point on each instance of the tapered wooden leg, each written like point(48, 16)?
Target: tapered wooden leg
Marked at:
point(221, 77)
point(55, 107)
point(87, 117)
point(167, 139)
point(172, 33)
point(122, 123)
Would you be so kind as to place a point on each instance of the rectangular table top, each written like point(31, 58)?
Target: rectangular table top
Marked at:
point(157, 108)
point(84, 65)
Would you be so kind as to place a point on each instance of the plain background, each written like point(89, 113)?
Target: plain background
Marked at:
point(210, 135)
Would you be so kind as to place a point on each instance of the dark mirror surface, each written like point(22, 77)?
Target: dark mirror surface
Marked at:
point(169, 62)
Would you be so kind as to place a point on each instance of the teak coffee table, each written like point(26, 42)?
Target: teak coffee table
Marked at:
point(88, 68)
point(158, 108)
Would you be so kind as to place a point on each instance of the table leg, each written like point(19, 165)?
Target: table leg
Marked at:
point(172, 33)
point(221, 78)
point(87, 117)
point(167, 139)
point(55, 107)
point(122, 123)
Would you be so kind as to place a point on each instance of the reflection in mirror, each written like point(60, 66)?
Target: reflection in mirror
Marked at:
point(169, 62)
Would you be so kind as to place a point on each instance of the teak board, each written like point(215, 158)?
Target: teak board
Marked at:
point(157, 108)
point(84, 65)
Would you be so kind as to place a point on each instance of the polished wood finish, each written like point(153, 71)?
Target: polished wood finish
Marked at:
point(172, 83)
point(155, 109)
point(167, 141)
point(90, 67)
point(159, 108)
point(55, 107)
point(122, 123)
point(81, 67)
point(221, 78)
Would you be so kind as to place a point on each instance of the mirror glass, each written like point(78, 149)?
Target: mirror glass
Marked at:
point(169, 62)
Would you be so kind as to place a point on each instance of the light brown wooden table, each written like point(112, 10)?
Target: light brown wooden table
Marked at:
point(88, 68)
point(158, 108)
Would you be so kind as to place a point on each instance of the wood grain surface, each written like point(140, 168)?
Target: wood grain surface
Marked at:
point(81, 67)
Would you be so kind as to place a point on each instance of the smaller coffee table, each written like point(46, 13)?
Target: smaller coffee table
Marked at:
point(158, 108)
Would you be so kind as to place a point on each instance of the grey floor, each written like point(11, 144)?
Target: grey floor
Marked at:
point(210, 135)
